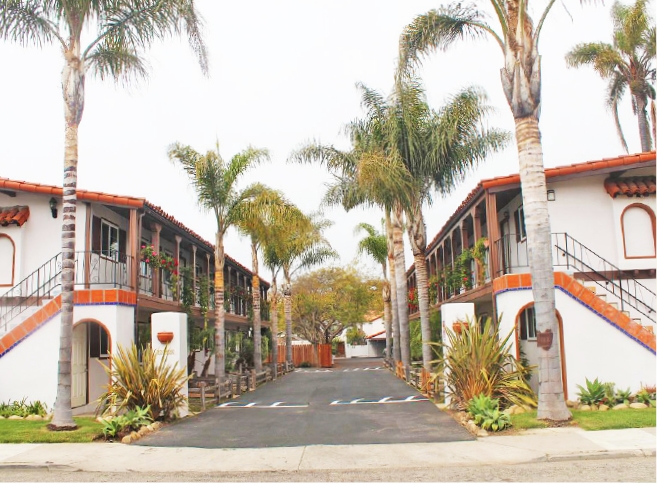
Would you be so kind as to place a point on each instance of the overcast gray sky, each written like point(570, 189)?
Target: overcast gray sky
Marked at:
point(282, 73)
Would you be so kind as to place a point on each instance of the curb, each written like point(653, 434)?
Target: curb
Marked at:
point(601, 455)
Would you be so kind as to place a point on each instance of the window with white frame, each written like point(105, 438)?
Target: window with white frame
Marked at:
point(109, 240)
point(528, 324)
point(519, 217)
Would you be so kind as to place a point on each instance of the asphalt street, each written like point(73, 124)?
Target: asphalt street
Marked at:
point(355, 402)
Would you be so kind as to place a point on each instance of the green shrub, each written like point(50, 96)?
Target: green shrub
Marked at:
point(133, 420)
point(644, 397)
point(594, 392)
point(22, 408)
point(150, 384)
point(486, 413)
point(305, 364)
point(479, 362)
point(623, 396)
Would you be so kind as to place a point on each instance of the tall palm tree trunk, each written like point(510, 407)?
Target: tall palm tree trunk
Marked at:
point(551, 403)
point(387, 316)
point(418, 238)
point(220, 312)
point(402, 287)
point(396, 349)
point(73, 92)
point(287, 306)
point(257, 321)
point(273, 317)
point(644, 127)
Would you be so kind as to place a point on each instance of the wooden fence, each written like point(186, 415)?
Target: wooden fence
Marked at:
point(300, 353)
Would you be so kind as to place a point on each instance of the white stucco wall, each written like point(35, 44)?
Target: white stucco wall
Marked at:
point(356, 350)
point(593, 346)
point(30, 369)
point(40, 236)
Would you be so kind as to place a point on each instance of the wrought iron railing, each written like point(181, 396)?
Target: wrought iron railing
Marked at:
point(91, 268)
point(569, 253)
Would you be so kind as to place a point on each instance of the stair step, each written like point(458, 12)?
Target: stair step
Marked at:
point(649, 328)
point(637, 320)
point(613, 304)
point(625, 312)
point(602, 296)
point(593, 289)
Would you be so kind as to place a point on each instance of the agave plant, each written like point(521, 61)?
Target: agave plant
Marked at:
point(594, 392)
point(151, 384)
point(477, 361)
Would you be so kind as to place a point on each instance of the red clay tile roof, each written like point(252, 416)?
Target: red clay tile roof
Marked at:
point(622, 161)
point(14, 215)
point(109, 199)
point(103, 198)
point(631, 186)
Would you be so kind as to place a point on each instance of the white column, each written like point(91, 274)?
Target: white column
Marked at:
point(176, 352)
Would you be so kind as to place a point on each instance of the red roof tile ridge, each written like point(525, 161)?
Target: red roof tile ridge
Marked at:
point(82, 194)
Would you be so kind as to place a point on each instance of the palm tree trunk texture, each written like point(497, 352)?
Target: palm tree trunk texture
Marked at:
point(287, 305)
point(257, 322)
point(644, 128)
point(396, 349)
point(73, 92)
point(402, 288)
point(220, 313)
point(387, 316)
point(551, 403)
point(418, 238)
point(273, 318)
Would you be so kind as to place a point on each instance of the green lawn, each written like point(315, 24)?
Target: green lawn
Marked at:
point(21, 431)
point(594, 420)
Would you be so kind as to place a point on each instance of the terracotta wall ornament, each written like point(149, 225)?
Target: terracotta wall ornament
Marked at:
point(165, 337)
point(544, 339)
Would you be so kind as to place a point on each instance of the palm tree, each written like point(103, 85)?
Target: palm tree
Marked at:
point(366, 176)
point(627, 64)
point(215, 182)
point(376, 245)
point(437, 149)
point(521, 83)
point(302, 248)
point(262, 211)
point(119, 33)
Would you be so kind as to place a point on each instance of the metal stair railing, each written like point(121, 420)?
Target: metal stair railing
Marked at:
point(31, 291)
point(630, 292)
point(91, 268)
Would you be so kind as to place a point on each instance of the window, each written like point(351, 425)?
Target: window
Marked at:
point(98, 341)
point(109, 240)
point(638, 227)
point(528, 324)
point(519, 217)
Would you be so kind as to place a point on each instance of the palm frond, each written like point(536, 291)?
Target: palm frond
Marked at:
point(116, 62)
point(600, 55)
point(28, 22)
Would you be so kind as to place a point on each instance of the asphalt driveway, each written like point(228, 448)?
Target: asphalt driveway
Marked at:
point(355, 402)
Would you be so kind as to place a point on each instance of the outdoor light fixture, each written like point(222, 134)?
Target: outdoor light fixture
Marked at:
point(53, 207)
point(551, 195)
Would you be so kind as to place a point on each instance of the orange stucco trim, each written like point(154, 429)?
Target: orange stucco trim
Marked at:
point(579, 292)
point(53, 307)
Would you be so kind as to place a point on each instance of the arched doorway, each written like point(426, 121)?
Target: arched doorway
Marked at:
point(91, 350)
point(526, 348)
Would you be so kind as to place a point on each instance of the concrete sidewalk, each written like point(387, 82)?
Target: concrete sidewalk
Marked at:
point(555, 444)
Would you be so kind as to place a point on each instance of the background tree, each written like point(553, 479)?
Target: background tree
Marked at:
point(627, 63)
point(118, 33)
point(375, 244)
point(521, 83)
point(330, 300)
point(215, 182)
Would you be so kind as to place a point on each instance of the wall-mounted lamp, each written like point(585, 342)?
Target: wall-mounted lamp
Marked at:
point(506, 215)
point(53, 207)
point(551, 195)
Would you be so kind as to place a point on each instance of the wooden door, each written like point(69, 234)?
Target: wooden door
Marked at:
point(79, 362)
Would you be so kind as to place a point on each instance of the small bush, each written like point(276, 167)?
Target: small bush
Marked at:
point(593, 394)
point(486, 413)
point(305, 364)
point(22, 408)
point(644, 397)
point(623, 396)
point(150, 384)
point(133, 420)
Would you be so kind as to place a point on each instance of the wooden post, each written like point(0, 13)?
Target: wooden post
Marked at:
point(133, 250)
point(155, 241)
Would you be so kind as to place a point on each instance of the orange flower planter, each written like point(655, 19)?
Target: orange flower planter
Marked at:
point(165, 337)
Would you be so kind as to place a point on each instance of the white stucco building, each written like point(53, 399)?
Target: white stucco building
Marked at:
point(602, 216)
point(115, 291)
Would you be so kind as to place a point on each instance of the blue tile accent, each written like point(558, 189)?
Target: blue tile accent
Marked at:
point(591, 309)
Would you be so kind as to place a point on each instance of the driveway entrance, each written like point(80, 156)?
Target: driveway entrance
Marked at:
point(357, 401)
